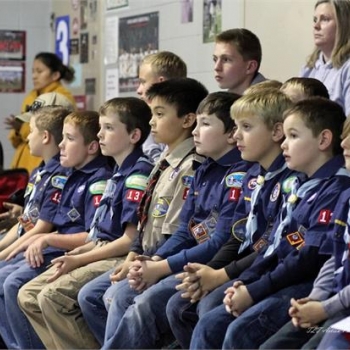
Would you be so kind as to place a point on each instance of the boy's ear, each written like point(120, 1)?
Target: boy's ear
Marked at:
point(93, 147)
point(46, 137)
point(189, 120)
point(135, 136)
point(325, 139)
point(252, 67)
point(277, 132)
point(230, 139)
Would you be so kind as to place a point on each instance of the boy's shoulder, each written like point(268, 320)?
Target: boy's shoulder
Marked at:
point(184, 152)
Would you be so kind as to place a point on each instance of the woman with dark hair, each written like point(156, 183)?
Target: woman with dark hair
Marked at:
point(47, 73)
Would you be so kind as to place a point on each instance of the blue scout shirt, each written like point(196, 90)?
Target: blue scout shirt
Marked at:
point(43, 192)
point(81, 195)
point(206, 218)
point(304, 246)
point(128, 184)
point(268, 204)
point(341, 242)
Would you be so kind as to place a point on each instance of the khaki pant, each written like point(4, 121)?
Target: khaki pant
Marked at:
point(53, 308)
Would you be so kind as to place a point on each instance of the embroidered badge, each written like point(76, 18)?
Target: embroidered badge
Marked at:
point(73, 214)
point(287, 184)
point(324, 216)
point(161, 208)
point(56, 197)
point(97, 187)
point(96, 200)
point(295, 238)
point(234, 194)
point(137, 182)
point(187, 180)
point(81, 188)
point(275, 192)
point(239, 229)
point(252, 183)
point(259, 244)
point(134, 195)
point(234, 179)
point(58, 181)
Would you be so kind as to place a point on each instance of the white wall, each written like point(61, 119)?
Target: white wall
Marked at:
point(34, 17)
point(283, 26)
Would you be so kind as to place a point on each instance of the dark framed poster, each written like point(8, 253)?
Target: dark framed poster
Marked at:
point(138, 37)
point(12, 45)
point(12, 76)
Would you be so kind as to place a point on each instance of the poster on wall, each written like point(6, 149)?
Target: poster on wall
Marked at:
point(186, 11)
point(12, 76)
point(116, 4)
point(12, 45)
point(138, 37)
point(211, 20)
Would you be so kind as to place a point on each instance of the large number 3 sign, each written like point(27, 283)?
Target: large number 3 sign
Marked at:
point(62, 38)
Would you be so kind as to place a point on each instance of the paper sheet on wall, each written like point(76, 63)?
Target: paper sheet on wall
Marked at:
point(112, 83)
point(111, 40)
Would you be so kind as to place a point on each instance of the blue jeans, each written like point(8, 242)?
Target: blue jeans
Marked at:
point(219, 329)
point(138, 320)
point(183, 315)
point(335, 341)
point(20, 332)
point(90, 299)
point(290, 337)
point(262, 320)
point(6, 268)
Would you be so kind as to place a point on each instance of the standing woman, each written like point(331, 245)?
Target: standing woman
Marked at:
point(330, 61)
point(47, 73)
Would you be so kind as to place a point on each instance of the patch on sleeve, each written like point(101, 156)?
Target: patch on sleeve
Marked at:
point(287, 184)
point(137, 182)
point(324, 216)
point(185, 194)
point(56, 197)
point(97, 200)
point(234, 179)
point(234, 194)
point(134, 195)
point(98, 187)
point(187, 180)
point(58, 181)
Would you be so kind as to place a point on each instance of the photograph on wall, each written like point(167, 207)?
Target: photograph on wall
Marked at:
point(84, 48)
point(12, 76)
point(74, 47)
point(138, 37)
point(12, 45)
point(211, 20)
point(83, 14)
point(116, 4)
point(186, 11)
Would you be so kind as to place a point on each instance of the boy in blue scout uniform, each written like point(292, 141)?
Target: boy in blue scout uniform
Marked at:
point(329, 300)
point(206, 219)
point(42, 189)
point(257, 303)
point(83, 187)
point(258, 116)
point(40, 198)
point(173, 103)
point(124, 127)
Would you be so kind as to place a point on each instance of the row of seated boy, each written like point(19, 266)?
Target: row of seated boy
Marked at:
point(138, 231)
